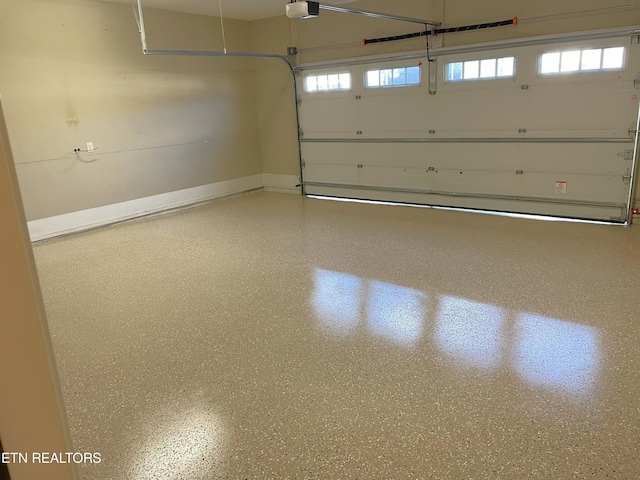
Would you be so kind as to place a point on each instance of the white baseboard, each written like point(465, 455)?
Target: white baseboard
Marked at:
point(96, 217)
point(280, 183)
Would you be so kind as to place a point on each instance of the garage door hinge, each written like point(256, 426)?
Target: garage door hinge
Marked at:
point(303, 163)
point(627, 154)
point(636, 81)
point(300, 133)
point(626, 178)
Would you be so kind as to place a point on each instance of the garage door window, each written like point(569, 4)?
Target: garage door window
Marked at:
point(489, 68)
point(330, 82)
point(392, 77)
point(587, 60)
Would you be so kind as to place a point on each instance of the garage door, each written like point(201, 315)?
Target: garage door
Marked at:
point(546, 128)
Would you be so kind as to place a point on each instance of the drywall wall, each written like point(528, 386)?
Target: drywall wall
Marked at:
point(334, 36)
point(31, 418)
point(72, 71)
point(275, 97)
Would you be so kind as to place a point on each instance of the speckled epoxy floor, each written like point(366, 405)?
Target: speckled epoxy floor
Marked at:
point(275, 336)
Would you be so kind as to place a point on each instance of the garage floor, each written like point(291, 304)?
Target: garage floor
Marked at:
point(275, 336)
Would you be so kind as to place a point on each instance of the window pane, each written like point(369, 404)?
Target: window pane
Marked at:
point(488, 68)
point(413, 75)
point(399, 76)
point(591, 59)
point(386, 77)
point(334, 82)
point(506, 67)
point(345, 81)
point(322, 82)
point(613, 57)
point(455, 71)
point(471, 69)
point(373, 78)
point(570, 61)
point(550, 62)
point(312, 84)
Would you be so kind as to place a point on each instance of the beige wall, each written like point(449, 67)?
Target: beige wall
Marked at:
point(30, 411)
point(334, 36)
point(72, 71)
point(274, 98)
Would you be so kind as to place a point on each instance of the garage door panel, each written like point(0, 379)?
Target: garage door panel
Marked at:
point(440, 112)
point(593, 159)
point(541, 111)
point(588, 212)
point(535, 108)
point(540, 185)
point(315, 112)
point(556, 109)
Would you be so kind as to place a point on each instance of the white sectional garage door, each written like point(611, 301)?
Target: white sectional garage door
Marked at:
point(552, 140)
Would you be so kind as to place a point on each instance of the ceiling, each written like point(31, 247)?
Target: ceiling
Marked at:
point(238, 9)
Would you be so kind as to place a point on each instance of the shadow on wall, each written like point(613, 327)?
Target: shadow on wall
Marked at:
point(544, 352)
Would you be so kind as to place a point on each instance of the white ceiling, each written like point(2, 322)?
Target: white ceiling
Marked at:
point(238, 9)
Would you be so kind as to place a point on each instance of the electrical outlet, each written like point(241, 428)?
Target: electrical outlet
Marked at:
point(90, 147)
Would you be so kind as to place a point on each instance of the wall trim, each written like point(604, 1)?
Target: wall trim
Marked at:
point(281, 183)
point(95, 217)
